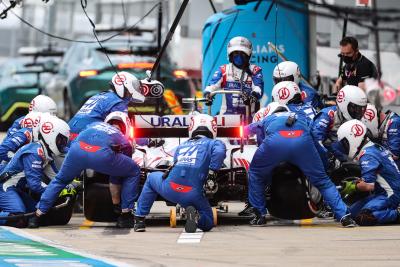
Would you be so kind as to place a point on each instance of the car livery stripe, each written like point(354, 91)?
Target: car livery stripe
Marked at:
point(19, 248)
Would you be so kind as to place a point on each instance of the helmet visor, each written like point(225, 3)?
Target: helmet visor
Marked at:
point(356, 111)
point(289, 78)
point(61, 142)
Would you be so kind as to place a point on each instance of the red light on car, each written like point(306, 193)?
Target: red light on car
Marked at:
point(136, 65)
point(180, 73)
point(132, 133)
point(241, 131)
point(87, 73)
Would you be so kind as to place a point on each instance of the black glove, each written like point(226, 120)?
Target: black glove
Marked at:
point(254, 96)
point(210, 99)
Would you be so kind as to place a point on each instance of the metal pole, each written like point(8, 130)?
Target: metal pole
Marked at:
point(343, 35)
point(377, 48)
point(159, 35)
point(169, 36)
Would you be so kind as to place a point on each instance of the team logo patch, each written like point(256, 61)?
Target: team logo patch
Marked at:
point(369, 114)
point(283, 93)
point(357, 130)
point(303, 95)
point(40, 152)
point(47, 127)
point(119, 79)
point(340, 96)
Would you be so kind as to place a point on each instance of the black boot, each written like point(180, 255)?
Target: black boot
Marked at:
point(347, 221)
point(247, 211)
point(33, 222)
point(191, 220)
point(140, 225)
point(258, 219)
point(125, 220)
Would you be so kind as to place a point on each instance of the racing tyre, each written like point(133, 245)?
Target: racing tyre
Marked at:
point(98, 205)
point(215, 216)
point(61, 216)
point(172, 217)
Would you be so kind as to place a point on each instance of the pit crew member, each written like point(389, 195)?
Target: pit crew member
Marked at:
point(195, 160)
point(104, 147)
point(21, 180)
point(39, 103)
point(379, 175)
point(385, 129)
point(238, 74)
point(351, 103)
point(290, 71)
point(289, 94)
point(287, 136)
point(125, 88)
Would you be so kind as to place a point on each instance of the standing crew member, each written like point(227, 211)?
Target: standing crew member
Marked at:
point(105, 148)
point(125, 88)
point(357, 67)
point(240, 75)
point(379, 175)
point(195, 160)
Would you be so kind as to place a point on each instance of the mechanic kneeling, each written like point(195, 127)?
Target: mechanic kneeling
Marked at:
point(21, 180)
point(183, 185)
point(288, 139)
point(103, 147)
point(379, 175)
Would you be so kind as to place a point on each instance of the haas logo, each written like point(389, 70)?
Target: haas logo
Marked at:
point(357, 130)
point(47, 127)
point(369, 114)
point(340, 96)
point(283, 93)
point(119, 79)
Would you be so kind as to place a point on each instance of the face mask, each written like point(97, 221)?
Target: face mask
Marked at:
point(238, 60)
point(347, 60)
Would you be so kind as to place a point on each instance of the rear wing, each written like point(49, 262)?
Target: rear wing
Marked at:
point(152, 126)
point(39, 52)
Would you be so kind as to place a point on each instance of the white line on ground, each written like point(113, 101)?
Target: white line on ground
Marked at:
point(190, 238)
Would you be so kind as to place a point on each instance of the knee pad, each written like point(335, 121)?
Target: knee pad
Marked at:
point(366, 218)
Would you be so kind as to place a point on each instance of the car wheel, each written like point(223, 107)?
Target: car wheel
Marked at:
point(67, 107)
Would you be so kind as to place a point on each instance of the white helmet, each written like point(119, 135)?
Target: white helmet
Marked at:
point(286, 93)
point(31, 120)
point(121, 120)
point(286, 71)
point(240, 43)
point(35, 129)
point(54, 132)
point(124, 80)
point(352, 135)
point(371, 120)
point(352, 102)
point(203, 124)
point(42, 103)
point(268, 110)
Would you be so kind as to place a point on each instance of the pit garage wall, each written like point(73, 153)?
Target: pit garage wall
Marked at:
point(291, 39)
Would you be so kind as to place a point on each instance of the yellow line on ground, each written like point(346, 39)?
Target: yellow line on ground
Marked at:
point(86, 225)
point(306, 222)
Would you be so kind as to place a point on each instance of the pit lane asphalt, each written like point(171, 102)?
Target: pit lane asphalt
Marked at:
point(313, 242)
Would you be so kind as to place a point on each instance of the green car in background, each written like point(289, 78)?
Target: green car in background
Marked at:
point(21, 79)
point(86, 71)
